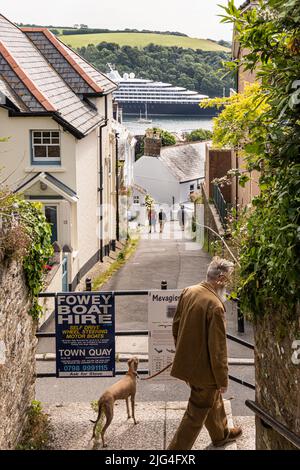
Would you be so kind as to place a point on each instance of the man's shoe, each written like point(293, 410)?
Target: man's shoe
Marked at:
point(234, 433)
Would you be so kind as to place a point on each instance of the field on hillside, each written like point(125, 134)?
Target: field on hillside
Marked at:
point(141, 40)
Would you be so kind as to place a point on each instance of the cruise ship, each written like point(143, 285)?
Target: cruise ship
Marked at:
point(143, 97)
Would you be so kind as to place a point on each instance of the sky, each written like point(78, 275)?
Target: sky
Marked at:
point(197, 18)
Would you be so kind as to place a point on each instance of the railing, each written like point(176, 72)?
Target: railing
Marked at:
point(220, 204)
point(269, 421)
point(136, 333)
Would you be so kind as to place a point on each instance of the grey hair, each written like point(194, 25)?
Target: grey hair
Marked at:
point(217, 267)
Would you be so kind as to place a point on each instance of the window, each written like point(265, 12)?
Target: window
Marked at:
point(45, 147)
point(136, 199)
point(192, 187)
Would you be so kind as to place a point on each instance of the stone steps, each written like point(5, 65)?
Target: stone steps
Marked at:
point(157, 423)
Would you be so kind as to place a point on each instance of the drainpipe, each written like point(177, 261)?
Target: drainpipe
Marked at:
point(100, 189)
point(117, 190)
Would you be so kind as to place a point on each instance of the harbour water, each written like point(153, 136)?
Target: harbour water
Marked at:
point(169, 123)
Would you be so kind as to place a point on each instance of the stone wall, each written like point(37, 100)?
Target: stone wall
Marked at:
point(277, 381)
point(17, 354)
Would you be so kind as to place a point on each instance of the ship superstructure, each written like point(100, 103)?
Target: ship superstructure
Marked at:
point(160, 98)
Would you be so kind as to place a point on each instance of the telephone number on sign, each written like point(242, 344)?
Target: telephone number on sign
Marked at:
point(86, 368)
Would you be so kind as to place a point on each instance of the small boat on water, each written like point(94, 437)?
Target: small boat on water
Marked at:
point(145, 120)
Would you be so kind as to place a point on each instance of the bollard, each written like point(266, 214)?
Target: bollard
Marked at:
point(164, 285)
point(240, 318)
point(88, 284)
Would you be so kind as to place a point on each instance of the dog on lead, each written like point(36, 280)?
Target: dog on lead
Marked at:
point(121, 390)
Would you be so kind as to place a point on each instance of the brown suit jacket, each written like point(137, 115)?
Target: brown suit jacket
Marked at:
point(200, 338)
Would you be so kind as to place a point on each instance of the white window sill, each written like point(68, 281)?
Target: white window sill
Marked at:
point(40, 168)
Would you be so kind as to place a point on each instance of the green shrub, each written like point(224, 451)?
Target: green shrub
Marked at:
point(199, 135)
point(37, 432)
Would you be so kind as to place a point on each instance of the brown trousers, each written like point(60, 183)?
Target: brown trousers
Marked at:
point(205, 407)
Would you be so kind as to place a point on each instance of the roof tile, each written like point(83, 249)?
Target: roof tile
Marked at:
point(64, 59)
point(185, 161)
point(26, 72)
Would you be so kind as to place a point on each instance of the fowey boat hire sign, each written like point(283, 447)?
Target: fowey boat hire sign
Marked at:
point(85, 334)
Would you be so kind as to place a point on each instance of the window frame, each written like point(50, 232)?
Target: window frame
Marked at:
point(53, 204)
point(45, 160)
point(134, 199)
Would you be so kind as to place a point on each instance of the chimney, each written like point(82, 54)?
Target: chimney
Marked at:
point(152, 143)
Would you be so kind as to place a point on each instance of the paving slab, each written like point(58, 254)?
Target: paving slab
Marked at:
point(156, 425)
point(174, 414)
point(247, 440)
point(72, 428)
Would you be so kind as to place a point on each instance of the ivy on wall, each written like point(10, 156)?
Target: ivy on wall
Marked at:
point(25, 237)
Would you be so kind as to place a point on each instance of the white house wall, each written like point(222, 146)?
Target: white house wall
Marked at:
point(185, 190)
point(152, 175)
point(15, 154)
point(109, 171)
point(87, 192)
point(79, 170)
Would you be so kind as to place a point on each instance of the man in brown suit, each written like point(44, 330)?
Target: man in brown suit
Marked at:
point(201, 358)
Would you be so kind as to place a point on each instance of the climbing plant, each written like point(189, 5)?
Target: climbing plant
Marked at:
point(269, 255)
point(25, 236)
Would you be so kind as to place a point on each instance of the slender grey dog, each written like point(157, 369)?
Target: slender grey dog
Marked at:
point(123, 389)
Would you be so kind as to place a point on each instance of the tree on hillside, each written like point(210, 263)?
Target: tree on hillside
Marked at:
point(196, 70)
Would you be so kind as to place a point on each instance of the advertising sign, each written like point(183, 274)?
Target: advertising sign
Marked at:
point(162, 306)
point(85, 334)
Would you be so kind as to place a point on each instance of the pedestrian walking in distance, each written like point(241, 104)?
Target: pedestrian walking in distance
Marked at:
point(201, 358)
point(162, 220)
point(182, 217)
point(152, 220)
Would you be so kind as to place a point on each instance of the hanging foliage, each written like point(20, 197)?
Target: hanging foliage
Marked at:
point(270, 140)
point(25, 237)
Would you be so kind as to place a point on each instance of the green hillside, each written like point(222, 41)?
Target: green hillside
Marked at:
point(142, 40)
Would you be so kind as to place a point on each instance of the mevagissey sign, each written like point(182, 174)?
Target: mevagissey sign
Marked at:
point(161, 310)
point(85, 334)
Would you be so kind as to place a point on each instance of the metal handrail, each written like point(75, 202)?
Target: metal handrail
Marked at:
point(242, 342)
point(116, 293)
point(273, 423)
point(42, 334)
point(51, 334)
point(49, 375)
point(220, 204)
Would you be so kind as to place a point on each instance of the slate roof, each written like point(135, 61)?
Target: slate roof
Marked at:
point(34, 85)
point(139, 189)
point(81, 76)
point(11, 95)
point(185, 161)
